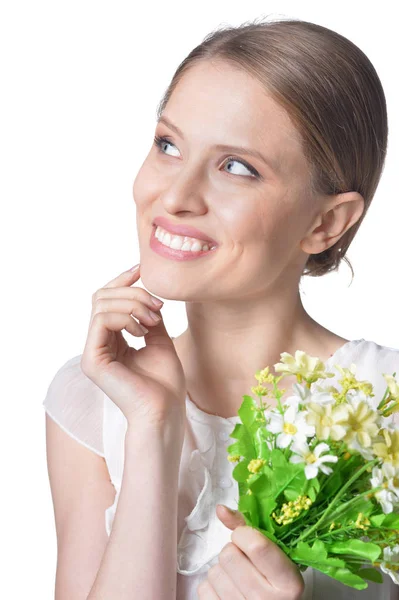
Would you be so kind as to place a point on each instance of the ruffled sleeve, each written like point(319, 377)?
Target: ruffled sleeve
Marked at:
point(208, 481)
point(75, 403)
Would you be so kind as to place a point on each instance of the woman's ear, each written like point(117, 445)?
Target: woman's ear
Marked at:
point(330, 225)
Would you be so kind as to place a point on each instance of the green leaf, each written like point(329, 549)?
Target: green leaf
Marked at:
point(317, 558)
point(283, 471)
point(315, 483)
point(257, 513)
point(247, 412)
point(391, 521)
point(356, 548)
point(262, 485)
point(303, 551)
point(349, 511)
point(248, 507)
point(297, 486)
point(344, 575)
point(244, 446)
point(240, 471)
point(377, 520)
point(312, 493)
point(261, 447)
point(333, 484)
point(371, 575)
point(278, 459)
point(266, 508)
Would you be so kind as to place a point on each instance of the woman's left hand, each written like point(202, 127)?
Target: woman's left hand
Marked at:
point(250, 566)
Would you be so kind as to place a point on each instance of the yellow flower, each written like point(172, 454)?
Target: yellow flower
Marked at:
point(256, 465)
point(305, 367)
point(264, 376)
point(259, 390)
point(234, 458)
point(389, 449)
point(330, 421)
point(362, 424)
point(349, 382)
point(362, 522)
point(290, 510)
point(393, 386)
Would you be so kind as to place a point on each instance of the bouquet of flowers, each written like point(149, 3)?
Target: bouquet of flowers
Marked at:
point(319, 473)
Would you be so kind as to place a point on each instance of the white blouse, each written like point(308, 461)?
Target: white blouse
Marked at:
point(205, 478)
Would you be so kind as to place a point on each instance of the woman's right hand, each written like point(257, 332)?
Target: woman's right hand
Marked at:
point(148, 385)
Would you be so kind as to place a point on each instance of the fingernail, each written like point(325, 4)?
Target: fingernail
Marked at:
point(135, 267)
point(154, 316)
point(230, 510)
point(156, 301)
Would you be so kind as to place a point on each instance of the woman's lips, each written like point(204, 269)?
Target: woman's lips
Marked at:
point(173, 253)
point(183, 230)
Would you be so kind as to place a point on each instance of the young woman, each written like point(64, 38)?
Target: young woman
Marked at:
point(269, 146)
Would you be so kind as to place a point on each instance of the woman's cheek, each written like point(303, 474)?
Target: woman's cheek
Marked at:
point(146, 186)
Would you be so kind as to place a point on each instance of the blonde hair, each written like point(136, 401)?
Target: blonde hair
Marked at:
point(333, 96)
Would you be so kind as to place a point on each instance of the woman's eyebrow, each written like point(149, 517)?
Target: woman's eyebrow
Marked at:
point(272, 164)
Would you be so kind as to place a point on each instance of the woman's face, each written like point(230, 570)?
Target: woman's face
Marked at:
point(257, 211)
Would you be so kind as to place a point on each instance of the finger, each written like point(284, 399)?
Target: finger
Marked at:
point(104, 322)
point(124, 278)
point(269, 559)
point(157, 335)
point(136, 293)
point(244, 576)
point(206, 592)
point(223, 584)
point(131, 307)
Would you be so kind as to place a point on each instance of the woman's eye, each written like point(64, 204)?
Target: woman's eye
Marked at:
point(161, 141)
point(252, 171)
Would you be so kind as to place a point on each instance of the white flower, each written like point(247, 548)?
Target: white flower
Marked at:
point(292, 401)
point(312, 458)
point(354, 397)
point(365, 452)
point(291, 425)
point(391, 555)
point(385, 497)
point(388, 476)
point(387, 423)
point(321, 396)
point(301, 394)
point(392, 476)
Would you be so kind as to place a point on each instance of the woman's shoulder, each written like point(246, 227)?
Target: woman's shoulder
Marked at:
point(76, 403)
point(69, 380)
point(370, 350)
point(372, 360)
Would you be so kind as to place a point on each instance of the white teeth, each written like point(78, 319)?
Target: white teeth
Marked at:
point(196, 247)
point(179, 242)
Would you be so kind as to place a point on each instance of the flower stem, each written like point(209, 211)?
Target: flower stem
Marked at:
point(342, 491)
point(352, 501)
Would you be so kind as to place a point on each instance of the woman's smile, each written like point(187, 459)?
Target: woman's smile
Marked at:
point(184, 248)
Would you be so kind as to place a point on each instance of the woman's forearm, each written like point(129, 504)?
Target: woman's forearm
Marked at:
point(140, 558)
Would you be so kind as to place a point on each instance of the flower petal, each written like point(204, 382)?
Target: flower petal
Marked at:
point(325, 470)
point(300, 447)
point(311, 471)
point(283, 440)
point(276, 423)
point(290, 414)
point(322, 447)
point(328, 458)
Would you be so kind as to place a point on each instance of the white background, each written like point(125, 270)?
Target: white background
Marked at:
point(80, 83)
